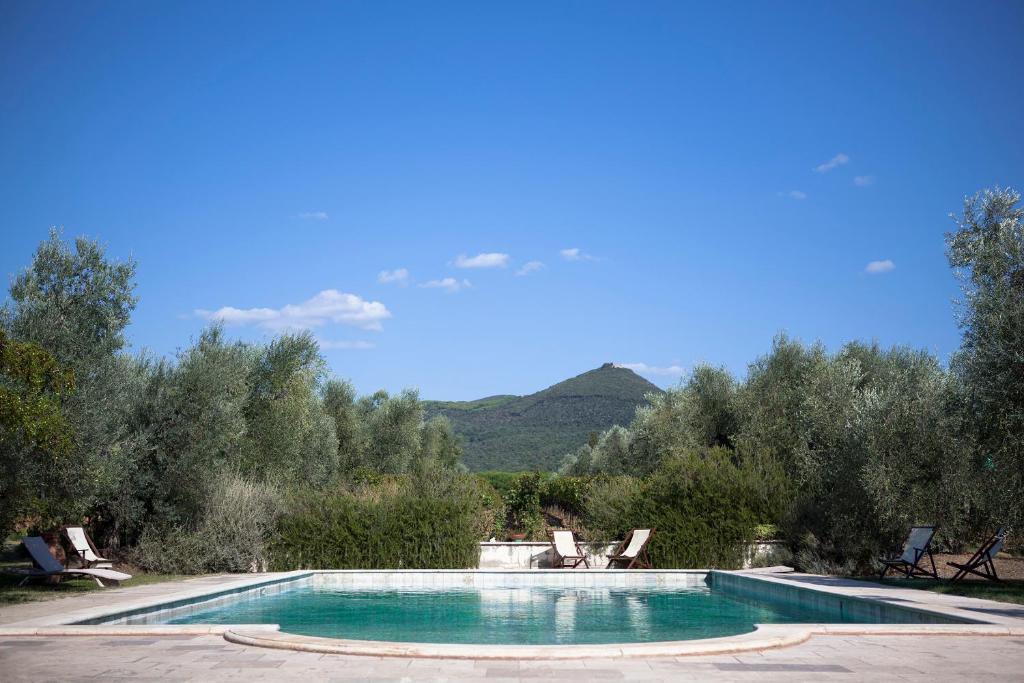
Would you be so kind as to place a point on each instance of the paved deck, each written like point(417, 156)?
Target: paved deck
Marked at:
point(211, 658)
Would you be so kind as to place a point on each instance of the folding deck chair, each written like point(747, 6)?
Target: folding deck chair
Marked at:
point(568, 554)
point(981, 563)
point(85, 549)
point(632, 552)
point(48, 565)
point(916, 549)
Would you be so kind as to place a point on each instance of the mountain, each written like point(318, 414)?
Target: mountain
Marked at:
point(515, 433)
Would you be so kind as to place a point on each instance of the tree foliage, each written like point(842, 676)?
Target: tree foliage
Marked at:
point(987, 252)
point(35, 438)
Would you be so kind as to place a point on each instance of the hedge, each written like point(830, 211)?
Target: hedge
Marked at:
point(330, 531)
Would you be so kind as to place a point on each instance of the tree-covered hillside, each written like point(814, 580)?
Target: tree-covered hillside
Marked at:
point(534, 432)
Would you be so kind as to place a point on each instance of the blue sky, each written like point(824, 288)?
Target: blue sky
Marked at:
point(725, 173)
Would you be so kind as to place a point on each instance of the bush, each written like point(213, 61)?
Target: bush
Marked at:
point(566, 493)
point(523, 504)
point(346, 531)
point(704, 505)
point(239, 519)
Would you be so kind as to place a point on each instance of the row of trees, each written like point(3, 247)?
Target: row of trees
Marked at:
point(867, 440)
point(842, 450)
point(129, 442)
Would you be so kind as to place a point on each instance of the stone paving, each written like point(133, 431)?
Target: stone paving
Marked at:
point(211, 658)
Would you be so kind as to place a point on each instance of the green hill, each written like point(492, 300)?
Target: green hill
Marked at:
point(533, 432)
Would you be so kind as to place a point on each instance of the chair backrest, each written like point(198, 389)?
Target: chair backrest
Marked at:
point(917, 542)
point(996, 544)
point(565, 543)
point(41, 554)
point(637, 542)
point(80, 541)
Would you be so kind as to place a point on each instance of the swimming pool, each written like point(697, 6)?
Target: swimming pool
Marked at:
point(537, 615)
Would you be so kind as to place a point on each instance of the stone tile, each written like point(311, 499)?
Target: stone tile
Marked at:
point(249, 664)
point(792, 668)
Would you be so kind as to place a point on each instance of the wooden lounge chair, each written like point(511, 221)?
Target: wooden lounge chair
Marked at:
point(47, 565)
point(568, 554)
point(632, 552)
point(981, 563)
point(85, 549)
point(915, 550)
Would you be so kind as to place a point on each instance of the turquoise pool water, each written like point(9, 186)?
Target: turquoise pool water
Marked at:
point(534, 616)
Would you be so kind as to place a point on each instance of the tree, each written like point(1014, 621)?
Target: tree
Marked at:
point(35, 439)
point(987, 254)
point(73, 304)
point(289, 435)
point(340, 404)
point(76, 305)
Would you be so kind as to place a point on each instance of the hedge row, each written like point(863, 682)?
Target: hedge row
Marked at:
point(346, 532)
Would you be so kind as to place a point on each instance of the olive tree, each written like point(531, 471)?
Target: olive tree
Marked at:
point(986, 252)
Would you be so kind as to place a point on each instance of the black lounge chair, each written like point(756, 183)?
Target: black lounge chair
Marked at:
point(915, 550)
point(981, 563)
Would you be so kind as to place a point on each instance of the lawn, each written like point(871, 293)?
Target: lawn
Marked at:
point(1003, 591)
point(12, 594)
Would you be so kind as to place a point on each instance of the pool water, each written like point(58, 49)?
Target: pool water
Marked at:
point(535, 616)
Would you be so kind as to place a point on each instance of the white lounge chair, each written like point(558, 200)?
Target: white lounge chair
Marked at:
point(48, 565)
point(915, 550)
point(632, 552)
point(568, 554)
point(85, 549)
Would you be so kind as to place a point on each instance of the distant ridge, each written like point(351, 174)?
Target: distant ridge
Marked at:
point(513, 433)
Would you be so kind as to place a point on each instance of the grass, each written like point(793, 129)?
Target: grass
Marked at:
point(1003, 591)
point(13, 594)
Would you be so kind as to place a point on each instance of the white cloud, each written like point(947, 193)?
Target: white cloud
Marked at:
point(645, 369)
point(879, 267)
point(530, 267)
point(329, 305)
point(796, 194)
point(314, 215)
point(864, 180)
point(355, 345)
point(576, 254)
point(835, 162)
point(398, 276)
point(486, 260)
point(448, 284)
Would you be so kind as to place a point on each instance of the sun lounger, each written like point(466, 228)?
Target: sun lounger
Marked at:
point(47, 566)
point(85, 549)
point(632, 552)
point(981, 563)
point(568, 554)
point(916, 549)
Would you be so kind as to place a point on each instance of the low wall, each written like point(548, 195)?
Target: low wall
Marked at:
point(530, 555)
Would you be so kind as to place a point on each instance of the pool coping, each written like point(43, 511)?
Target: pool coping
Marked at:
point(981, 617)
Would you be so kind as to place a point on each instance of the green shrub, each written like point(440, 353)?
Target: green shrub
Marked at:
point(704, 505)
point(501, 481)
point(522, 502)
point(567, 493)
point(345, 531)
point(238, 520)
